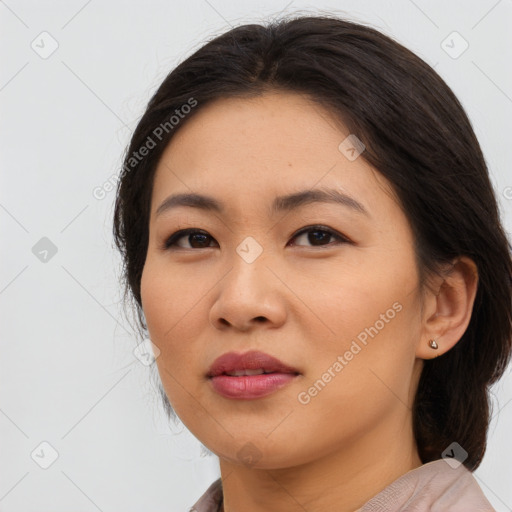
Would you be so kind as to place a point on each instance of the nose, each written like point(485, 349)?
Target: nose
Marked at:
point(250, 295)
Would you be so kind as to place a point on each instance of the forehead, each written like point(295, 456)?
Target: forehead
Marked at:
point(268, 121)
point(263, 146)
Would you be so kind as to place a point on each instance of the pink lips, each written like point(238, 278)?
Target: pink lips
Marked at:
point(252, 386)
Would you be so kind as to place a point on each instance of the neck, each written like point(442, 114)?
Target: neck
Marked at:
point(341, 481)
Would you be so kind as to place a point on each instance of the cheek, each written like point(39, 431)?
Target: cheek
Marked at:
point(351, 303)
point(175, 315)
point(162, 311)
point(170, 317)
point(373, 324)
point(167, 299)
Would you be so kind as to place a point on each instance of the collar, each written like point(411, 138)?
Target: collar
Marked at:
point(432, 487)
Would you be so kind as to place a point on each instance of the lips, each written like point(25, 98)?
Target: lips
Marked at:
point(249, 376)
point(248, 363)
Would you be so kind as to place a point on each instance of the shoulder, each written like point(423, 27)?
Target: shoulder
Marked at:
point(437, 486)
point(210, 500)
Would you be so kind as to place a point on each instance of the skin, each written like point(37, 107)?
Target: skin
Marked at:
point(300, 302)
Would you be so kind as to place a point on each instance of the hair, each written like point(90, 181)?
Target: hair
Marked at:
point(416, 134)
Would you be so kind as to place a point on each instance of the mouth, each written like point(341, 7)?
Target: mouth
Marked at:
point(241, 373)
point(250, 375)
point(247, 364)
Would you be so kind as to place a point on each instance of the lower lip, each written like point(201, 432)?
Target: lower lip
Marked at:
point(249, 387)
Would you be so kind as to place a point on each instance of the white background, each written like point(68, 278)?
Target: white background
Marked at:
point(68, 374)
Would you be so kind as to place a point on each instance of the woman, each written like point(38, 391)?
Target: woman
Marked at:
point(312, 242)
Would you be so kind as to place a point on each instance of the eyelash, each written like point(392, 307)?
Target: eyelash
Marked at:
point(171, 241)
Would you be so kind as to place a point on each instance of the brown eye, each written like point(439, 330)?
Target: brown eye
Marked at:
point(319, 236)
point(195, 238)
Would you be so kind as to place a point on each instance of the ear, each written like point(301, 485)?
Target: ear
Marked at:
point(447, 308)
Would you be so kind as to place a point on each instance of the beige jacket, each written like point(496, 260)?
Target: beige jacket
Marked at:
point(433, 487)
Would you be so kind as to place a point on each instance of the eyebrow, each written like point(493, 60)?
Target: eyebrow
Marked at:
point(280, 204)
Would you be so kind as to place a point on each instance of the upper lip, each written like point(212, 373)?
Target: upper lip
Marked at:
point(252, 360)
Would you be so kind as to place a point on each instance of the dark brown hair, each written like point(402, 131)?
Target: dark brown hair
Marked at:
point(417, 135)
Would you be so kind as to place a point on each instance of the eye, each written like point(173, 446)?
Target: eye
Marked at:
point(319, 236)
point(196, 238)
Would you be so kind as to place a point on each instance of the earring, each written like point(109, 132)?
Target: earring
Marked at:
point(433, 344)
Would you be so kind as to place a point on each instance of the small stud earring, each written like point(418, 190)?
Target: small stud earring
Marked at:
point(433, 344)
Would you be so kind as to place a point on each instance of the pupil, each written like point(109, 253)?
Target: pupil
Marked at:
point(322, 234)
point(201, 240)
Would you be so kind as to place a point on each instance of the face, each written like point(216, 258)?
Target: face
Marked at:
point(328, 287)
